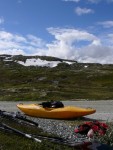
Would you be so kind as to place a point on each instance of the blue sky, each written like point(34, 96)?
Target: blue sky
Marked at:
point(71, 29)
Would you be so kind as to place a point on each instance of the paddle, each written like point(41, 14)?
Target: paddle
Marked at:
point(38, 138)
point(17, 116)
point(34, 137)
point(8, 128)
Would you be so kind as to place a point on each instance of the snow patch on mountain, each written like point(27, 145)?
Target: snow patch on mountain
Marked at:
point(40, 62)
point(33, 61)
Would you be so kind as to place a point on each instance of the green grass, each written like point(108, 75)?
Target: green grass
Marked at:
point(11, 142)
point(108, 137)
point(63, 82)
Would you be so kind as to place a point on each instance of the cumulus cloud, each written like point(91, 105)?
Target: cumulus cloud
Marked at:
point(80, 11)
point(17, 44)
point(35, 41)
point(66, 46)
point(109, 39)
point(106, 24)
point(71, 0)
point(97, 1)
point(68, 43)
point(90, 1)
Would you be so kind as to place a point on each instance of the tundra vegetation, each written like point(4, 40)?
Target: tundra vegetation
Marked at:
point(63, 82)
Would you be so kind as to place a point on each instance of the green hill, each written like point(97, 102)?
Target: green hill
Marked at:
point(66, 81)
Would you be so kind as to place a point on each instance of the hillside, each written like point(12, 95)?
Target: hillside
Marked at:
point(49, 78)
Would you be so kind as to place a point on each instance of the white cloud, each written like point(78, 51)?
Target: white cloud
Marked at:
point(12, 51)
point(1, 20)
point(109, 39)
point(80, 11)
point(96, 54)
point(90, 1)
point(65, 45)
point(106, 24)
point(68, 43)
point(70, 35)
point(17, 44)
point(35, 41)
point(71, 0)
point(97, 1)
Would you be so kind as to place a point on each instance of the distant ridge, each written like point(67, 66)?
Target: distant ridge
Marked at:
point(35, 60)
point(49, 78)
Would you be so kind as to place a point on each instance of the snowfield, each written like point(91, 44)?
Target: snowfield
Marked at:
point(40, 62)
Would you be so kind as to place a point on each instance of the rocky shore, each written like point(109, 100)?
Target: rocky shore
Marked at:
point(57, 127)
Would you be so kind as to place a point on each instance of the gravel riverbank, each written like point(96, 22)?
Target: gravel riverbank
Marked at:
point(63, 128)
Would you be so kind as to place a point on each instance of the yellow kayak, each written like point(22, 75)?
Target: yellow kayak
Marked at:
point(66, 112)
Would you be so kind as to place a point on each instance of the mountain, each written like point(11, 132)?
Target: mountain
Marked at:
point(50, 78)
